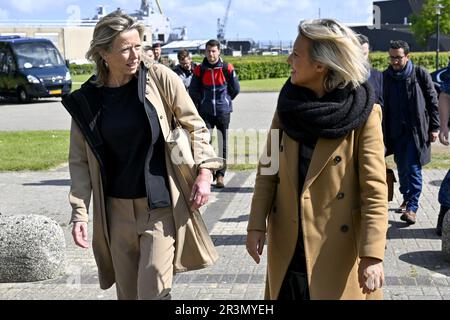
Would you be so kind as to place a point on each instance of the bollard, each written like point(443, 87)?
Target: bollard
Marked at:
point(32, 248)
point(446, 237)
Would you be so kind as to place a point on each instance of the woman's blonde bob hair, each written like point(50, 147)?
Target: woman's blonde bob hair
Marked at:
point(338, 48)
point(105, 32)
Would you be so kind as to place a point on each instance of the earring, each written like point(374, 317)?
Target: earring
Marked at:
point(105, 63)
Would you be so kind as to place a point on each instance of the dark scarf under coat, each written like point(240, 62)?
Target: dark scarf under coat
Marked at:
point(305, 117)
point(403, 74)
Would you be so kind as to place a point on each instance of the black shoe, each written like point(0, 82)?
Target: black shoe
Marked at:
point(402, 208)
point(440, 220)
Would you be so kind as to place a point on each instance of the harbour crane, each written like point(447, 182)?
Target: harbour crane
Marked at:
point(145, 7)
point(221, 26)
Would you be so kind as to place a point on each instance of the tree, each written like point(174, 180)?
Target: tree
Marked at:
point(423, 25)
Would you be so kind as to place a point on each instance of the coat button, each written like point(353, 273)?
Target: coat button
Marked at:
point(344, 228)
point(337, 159)
point(161, 117)
point(340, 196)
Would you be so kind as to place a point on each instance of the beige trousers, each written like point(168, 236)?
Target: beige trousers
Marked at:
point(142, 248)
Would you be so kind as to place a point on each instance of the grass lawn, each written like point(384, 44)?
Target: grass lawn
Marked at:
point(33, 150)
point(263, 85)
point(42, 150)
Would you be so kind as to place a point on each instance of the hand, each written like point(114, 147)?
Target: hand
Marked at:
point(201, 189)
point(80, 234)
point(370, 274)
point(443, 137)
point(255, 244)
point(433, 136)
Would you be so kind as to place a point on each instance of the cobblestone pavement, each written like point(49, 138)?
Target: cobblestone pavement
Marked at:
point(414, 265)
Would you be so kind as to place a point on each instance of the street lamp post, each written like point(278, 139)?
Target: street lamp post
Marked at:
point(438, 8)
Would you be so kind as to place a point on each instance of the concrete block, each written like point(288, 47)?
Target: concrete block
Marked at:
point(32, 248)
point(446, 237)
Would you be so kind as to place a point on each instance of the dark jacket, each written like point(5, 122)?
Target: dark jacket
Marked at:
point(84, 105)
point(213, 93)
point(376, 81)
point(422, 107)
point(185, 75)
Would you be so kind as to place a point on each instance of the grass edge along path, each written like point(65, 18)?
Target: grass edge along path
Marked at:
point(44, 150)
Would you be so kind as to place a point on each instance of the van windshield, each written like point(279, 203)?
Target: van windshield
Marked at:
point(37, 55)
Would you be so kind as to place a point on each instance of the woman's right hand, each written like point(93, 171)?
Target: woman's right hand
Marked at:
point(255, 244)
point(80, 234)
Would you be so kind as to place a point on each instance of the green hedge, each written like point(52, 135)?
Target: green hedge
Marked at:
point(269, 67)
point(76, 69)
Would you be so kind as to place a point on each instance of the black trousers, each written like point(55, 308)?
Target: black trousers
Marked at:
point(294, 287)
point(222, 123)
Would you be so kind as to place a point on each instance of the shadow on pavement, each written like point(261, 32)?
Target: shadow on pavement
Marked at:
point(229, 240)
point(401, 230)
point(241, 218)
point(60, 182)
point(234, 190)
point(436, 183)
point(431, 260)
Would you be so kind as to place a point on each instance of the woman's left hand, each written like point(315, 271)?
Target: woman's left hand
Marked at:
point(370, 274)
point(201, 189)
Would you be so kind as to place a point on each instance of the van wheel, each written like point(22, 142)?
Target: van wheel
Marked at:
point(23, 96)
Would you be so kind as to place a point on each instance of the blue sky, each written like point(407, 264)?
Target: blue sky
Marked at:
point(257, 19)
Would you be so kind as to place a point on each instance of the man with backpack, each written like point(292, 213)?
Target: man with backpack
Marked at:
point(411, 123)
point(214, 85)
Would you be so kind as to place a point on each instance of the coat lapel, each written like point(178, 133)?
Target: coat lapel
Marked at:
point(290, 150)
point(325, 148)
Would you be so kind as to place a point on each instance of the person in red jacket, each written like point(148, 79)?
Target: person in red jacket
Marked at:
point(214, 85)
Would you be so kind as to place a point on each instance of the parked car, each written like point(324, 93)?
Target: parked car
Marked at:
point(32, 68)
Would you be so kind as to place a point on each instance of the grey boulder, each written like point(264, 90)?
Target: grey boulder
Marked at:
point(446, 237)
point(32, 248)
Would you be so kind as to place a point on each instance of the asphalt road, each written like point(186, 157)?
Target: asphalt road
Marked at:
point(251, 111)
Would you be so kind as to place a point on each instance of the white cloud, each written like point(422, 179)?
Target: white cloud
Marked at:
point(4, 14)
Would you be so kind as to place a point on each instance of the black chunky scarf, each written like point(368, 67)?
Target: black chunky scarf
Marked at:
point(305, 117)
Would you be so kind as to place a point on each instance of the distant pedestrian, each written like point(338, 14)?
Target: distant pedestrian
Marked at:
point(149, 52)
point(185, 67)
point(444, 116)
point(157, 52)
point(411, 123)
point(213, 87)
point(325, 211)
point(375, 77)
point(156, 47)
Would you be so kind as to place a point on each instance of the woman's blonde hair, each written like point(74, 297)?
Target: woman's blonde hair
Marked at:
point(105, 32)
point(338, 48)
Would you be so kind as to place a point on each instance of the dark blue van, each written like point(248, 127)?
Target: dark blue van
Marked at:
point(32, 68)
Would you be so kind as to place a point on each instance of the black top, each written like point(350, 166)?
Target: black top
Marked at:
point(126, 133)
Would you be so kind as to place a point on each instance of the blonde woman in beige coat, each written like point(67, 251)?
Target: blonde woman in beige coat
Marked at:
point(146, 224)
point(325, 210)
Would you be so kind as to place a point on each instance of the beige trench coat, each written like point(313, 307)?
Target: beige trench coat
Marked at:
point(193, 246)
point(344, 210)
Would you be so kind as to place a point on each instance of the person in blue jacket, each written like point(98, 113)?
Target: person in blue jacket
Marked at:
point(214, 85)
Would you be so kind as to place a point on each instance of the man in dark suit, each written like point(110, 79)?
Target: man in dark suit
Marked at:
point(376, 77)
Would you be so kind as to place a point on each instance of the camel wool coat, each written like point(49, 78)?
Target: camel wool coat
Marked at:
point(344, 210)
point(194, 248)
